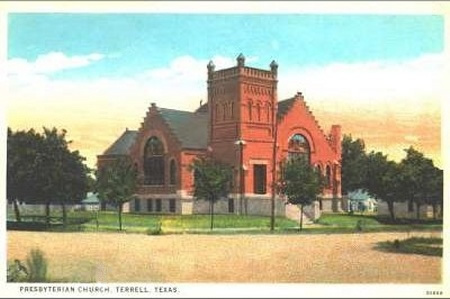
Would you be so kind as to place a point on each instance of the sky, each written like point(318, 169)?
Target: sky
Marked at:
point(378, 76)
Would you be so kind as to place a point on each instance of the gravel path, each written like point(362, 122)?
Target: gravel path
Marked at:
point(334, 258)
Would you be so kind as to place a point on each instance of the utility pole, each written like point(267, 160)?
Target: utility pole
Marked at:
point(274, 69)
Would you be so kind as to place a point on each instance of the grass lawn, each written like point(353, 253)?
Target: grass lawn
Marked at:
point(225, 224)
point(415, 245)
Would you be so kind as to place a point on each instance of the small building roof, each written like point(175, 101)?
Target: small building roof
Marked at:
point(359, 194)
point(91, 199)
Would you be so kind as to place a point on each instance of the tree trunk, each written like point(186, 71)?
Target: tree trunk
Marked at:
point(16, 210)
point(391, 209)
point(434, 211)
point(212, 213)
point(301, 218)
point(120, 216)
point(64, 214)
point(418, 210)
point(47, 214)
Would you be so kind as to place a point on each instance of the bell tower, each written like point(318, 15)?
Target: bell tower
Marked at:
point(243, 109)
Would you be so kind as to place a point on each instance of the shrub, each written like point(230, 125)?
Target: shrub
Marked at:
point(37, 266)
point(155, 231)
point(16, 272)
point(359, 225)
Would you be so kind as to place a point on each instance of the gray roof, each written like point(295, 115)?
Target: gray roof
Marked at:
point(122, 144)
point(284, 106)
point(190, 128)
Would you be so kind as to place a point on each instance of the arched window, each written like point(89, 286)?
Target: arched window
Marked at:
point(258, 111)
point(319, 169)
point(173, 172)
point(232, 110)
point(217, 112)
point(328, 175)
point(154, 162)
point(224, 111)
point(268, 111)
point(299, 147)
point(250, 115)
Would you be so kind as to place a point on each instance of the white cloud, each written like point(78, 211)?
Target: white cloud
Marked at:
point(411, 85)
point(50, 63)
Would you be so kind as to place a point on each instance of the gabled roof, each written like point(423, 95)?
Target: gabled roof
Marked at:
point(190, 128)
point(122, 144)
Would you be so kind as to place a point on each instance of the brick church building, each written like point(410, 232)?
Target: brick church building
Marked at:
point(239, 125)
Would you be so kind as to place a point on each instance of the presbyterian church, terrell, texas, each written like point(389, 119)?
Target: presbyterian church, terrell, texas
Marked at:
point(242, 124)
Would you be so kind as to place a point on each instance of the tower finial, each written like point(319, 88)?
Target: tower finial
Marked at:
point(211, 66)
point(241, 60)
point(274, 67)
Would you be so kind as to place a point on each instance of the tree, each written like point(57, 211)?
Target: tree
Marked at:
point(63, 173)
point(22, 149)
point(300, 183)
point(42, 169)
point(354, 162)
point(384, 180)
point(419, 178)
point(211, 181)
point(436, 190)
point(116, 184)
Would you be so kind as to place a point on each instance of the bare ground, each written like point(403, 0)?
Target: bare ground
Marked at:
point(334, 258)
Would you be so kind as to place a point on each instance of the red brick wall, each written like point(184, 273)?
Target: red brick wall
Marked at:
point(299, 120)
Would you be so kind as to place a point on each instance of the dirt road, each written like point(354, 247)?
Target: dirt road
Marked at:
point(334, 258)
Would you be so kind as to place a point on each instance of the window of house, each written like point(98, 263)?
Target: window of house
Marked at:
point(230, 205)
point(158, 205)
point(149, 205)
point(299, 147)
point(328, 175)
point(137, 204)
point(259, 179)
point(217, 112)
point(232, 110)
point(224, 111)
point(173, 172)
point(250, 116)
point(154, 162)
point(258, 112)
point(172, 205)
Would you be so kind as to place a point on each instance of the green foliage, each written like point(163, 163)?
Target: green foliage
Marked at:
point(354, 171)
point(415, 245)
point(384, 180)
point(422, 181)
point(37, 266)
point(212, 181)
point(42, 168)
point(116, 183)
point(16, 272)
point(300, 183)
